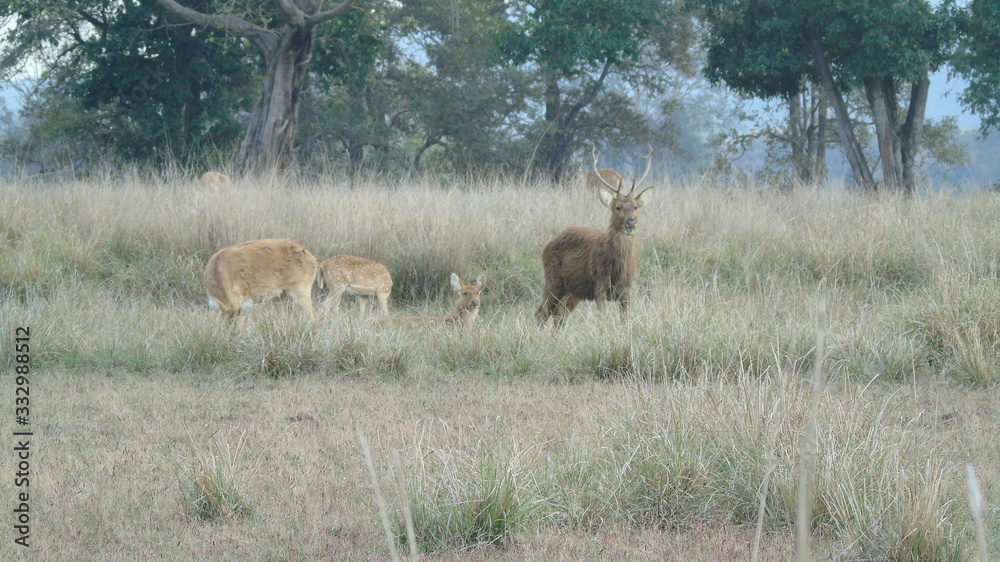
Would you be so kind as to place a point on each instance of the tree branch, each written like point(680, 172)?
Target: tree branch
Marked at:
point(263, 38)
point(321, 17)
point(589, 96)
point(99, 24)
point(293, 15)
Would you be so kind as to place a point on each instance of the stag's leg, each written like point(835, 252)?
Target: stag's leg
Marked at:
point(566, 305)
point(601, 294)
point(624, 300)
point(548, 308)
point(363, 305)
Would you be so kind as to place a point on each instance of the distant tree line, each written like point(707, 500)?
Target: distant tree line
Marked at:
point(519, 86)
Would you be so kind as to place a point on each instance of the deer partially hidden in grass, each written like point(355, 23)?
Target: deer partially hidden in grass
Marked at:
point(584, 263)
point(355, 276)
point(463, 314)
point(599, 177)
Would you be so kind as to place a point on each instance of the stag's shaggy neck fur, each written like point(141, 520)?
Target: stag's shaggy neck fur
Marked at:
point(620, 262)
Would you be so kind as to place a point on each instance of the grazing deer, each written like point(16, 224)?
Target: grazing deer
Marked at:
point(357, 276)
point(463, 314)
point(583, 263)
point(596, 180)
point(260, 270)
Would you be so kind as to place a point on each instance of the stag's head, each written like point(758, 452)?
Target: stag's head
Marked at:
point(625, 206)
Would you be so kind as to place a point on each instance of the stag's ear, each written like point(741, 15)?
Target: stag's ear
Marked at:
point(456, 283)
point(645, 197)
point(606, 196)
point(481, 281)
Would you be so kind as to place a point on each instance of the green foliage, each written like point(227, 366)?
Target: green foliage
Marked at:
point(575, 46)
point(349, 94)
point(977, 60)
point(761, 48)
point(567, 38)
point(756, 48)
point(130, 82)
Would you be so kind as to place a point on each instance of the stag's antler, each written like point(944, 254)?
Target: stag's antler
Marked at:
point(616, 190)
point(649, 166)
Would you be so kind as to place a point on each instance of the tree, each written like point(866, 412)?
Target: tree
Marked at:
point(575, 45)
point(120, 78)
point(287, 50)
point(797, 143)
point(977, 60)
point(884, 47)
point(350, 96)
point(459, 96)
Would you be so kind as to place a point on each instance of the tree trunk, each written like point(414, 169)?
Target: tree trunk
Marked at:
point(882, 101)
point(553, 152)
point(796, 138)
point(271, 131)
point(899, 143)
point(355, 157)
point(819, 171)
point(428, 142)
point(913, 132)
point(558, 140)
point(859, 164)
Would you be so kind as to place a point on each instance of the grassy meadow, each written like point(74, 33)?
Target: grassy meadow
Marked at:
point(823, 357)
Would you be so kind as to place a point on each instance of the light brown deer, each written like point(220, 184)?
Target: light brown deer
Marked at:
point(597, 179)
point(260, 270)
point(215, 180)
point(584, 263)
point(463, 314)
point(355, 276)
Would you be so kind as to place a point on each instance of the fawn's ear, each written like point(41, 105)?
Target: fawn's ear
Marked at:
point(645, 197)
point(481, 281)
point(607, 197)
point(456, 283)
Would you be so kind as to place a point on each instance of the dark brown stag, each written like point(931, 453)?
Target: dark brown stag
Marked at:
point(584, 263)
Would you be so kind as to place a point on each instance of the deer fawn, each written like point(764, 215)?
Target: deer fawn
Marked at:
point(463, 314)
point(583, 263)
point(356, 276)
point(260, 270)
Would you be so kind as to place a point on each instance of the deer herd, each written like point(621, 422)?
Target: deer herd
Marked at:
point(580, 263)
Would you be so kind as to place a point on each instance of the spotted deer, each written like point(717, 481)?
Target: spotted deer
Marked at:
point(355, 276)
point(584, 263)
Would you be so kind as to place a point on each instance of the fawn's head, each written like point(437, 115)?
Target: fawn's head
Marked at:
point(468, 299)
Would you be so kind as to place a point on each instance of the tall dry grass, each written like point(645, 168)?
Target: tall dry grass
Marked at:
point(670, 420)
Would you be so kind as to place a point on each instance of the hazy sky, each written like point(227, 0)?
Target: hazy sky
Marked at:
point(942, 100)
